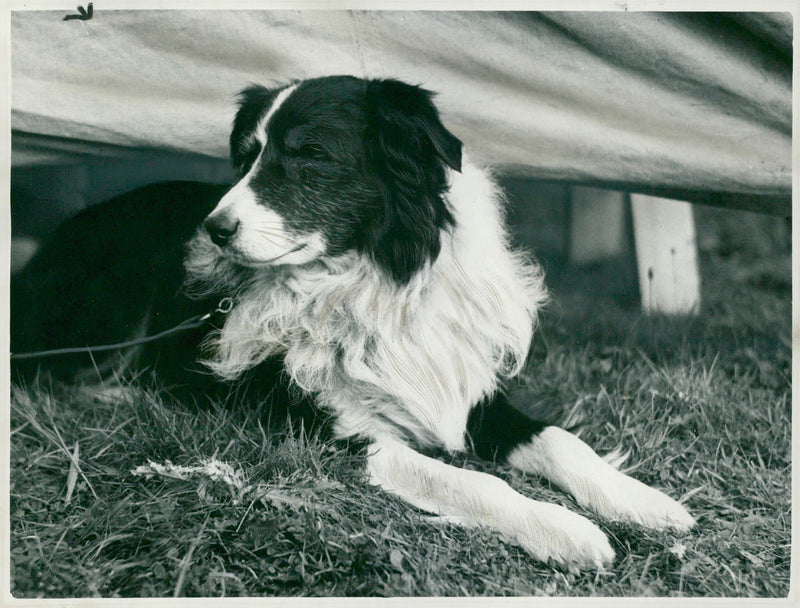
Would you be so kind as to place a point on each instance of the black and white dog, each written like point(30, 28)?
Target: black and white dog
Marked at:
point(367, 256)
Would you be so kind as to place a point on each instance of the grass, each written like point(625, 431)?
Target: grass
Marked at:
point(703, 405)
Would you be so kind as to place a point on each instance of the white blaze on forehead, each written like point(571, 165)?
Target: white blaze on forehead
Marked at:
point(241, 196)
point(261, 129)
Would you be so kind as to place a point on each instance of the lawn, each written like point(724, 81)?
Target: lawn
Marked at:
point(123, 495)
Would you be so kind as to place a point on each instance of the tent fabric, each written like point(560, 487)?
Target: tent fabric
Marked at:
point(691, 105)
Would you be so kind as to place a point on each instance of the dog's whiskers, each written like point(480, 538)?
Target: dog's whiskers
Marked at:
point(274, 233)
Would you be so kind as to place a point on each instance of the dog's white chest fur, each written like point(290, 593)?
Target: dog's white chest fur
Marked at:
point(408, 361)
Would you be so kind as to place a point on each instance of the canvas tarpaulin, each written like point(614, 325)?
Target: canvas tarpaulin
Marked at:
point(692, 105)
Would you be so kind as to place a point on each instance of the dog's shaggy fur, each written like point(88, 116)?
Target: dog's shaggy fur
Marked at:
point(368, 256)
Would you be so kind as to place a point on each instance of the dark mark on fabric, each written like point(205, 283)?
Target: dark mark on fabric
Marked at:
point(85, 13)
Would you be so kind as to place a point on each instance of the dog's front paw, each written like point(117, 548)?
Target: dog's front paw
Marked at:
point(555, 535)
point(635, 502)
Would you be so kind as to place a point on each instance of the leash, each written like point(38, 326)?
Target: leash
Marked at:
point(224, 307)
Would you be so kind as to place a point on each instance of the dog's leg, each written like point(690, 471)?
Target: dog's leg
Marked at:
point(548, 532)
point(502, 432)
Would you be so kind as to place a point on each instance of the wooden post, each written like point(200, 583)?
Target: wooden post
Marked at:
point(597, 229)
point(666, 252)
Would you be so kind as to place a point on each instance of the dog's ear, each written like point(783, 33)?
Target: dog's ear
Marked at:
point(254, 101)
point(407, 149)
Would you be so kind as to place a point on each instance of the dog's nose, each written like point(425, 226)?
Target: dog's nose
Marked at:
point(221, 228)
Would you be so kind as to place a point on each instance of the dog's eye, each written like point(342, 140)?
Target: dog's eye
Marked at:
point(301, 143)
point(311, 150)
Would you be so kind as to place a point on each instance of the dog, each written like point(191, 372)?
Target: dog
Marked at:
point(367, 263)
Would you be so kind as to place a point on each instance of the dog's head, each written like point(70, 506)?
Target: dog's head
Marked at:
point(334, 164)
